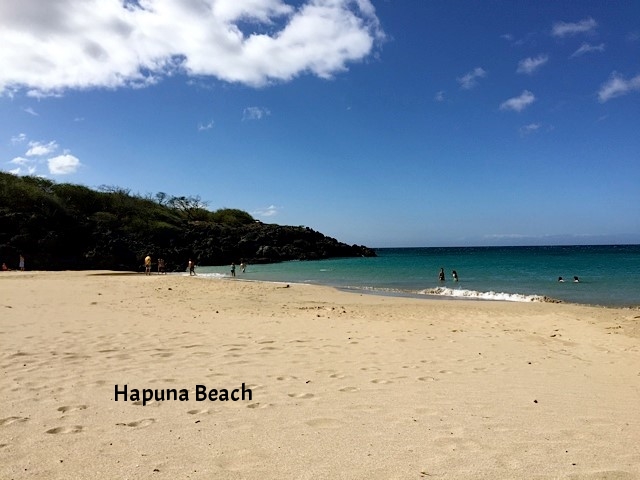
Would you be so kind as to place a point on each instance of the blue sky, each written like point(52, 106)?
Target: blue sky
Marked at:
point(385, 123)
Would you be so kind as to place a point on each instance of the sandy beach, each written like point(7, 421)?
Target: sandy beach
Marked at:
point(337, 385)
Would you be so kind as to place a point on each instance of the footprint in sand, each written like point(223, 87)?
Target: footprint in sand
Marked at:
point(162, 354)
point(73, 429)
point(150, 403)
point(377, 380)
point(337, 375)
point(259, 405)
point(286, 377)
point(428, 379)
point(301, 395)
point(197, 412)
point(72, 408)
point(10, 420)
point(145, 422)
point(349, 389)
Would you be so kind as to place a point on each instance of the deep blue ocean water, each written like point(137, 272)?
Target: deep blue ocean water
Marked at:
point(609, 275)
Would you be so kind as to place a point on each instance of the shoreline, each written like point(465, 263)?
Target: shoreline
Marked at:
point(375, 291)
point(390, 292)
point(343, 384)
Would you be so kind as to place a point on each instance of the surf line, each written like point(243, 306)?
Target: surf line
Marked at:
point(173, 394)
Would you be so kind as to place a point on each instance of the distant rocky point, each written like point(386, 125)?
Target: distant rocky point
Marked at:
point(66, 226)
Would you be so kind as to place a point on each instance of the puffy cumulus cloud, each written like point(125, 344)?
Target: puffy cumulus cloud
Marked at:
point(63, 164)
point(519, 103)
point(618, 86)
point(25, 166)
point(39, 154)
point(530, 65)
point(470, 80)
point(48, 47)
point(21, 161)
point(564, 29)
point(37, 149)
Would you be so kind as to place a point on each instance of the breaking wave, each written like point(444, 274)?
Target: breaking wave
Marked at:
point(473, 294)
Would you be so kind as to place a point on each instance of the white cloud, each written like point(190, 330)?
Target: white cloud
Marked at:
point(21, 161)
point(38, 149)
point(28, 110)
point(63, 164)
point(528, 129)
point(51, 46)
point(530, 65)
point(469, 80)
point(25, 166)
point(617, 86)
point(208, 126)
point(439, 97)
point(270, 211)
point(519, 103)
point(587, 48)
point(563, 29)
point(255, 113)
point(20, 138)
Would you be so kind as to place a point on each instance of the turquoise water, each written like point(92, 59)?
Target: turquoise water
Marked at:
point(609, 275)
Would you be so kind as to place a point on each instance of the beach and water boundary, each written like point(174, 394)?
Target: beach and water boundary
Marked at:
point(609, 274)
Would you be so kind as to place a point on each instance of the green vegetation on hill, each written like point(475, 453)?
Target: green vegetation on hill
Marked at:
point(66, 226)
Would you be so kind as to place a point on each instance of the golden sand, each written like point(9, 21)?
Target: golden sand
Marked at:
point(343, 385)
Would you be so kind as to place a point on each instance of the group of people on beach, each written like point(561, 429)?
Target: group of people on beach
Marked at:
point(191, 266)
point(441, 275)
point(5, 267)
point(454, 275)
point(243, 267)
point(147, 265)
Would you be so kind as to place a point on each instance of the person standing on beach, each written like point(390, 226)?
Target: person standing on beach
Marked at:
point(243, 266)
point(233, 269)
point(454, 274)
point(161, 266)
point(441, 275)
point(192, 268)
point(147, 265)
point(21, 263)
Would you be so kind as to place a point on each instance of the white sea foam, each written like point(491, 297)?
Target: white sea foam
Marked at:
point(210, 275)
point(472, 294)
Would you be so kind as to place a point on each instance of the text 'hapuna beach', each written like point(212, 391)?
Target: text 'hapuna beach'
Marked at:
point(173, 394)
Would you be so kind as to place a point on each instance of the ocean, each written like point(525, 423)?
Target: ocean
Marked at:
point(609, 275)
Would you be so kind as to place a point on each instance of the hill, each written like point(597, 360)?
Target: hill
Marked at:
point(62, 226)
